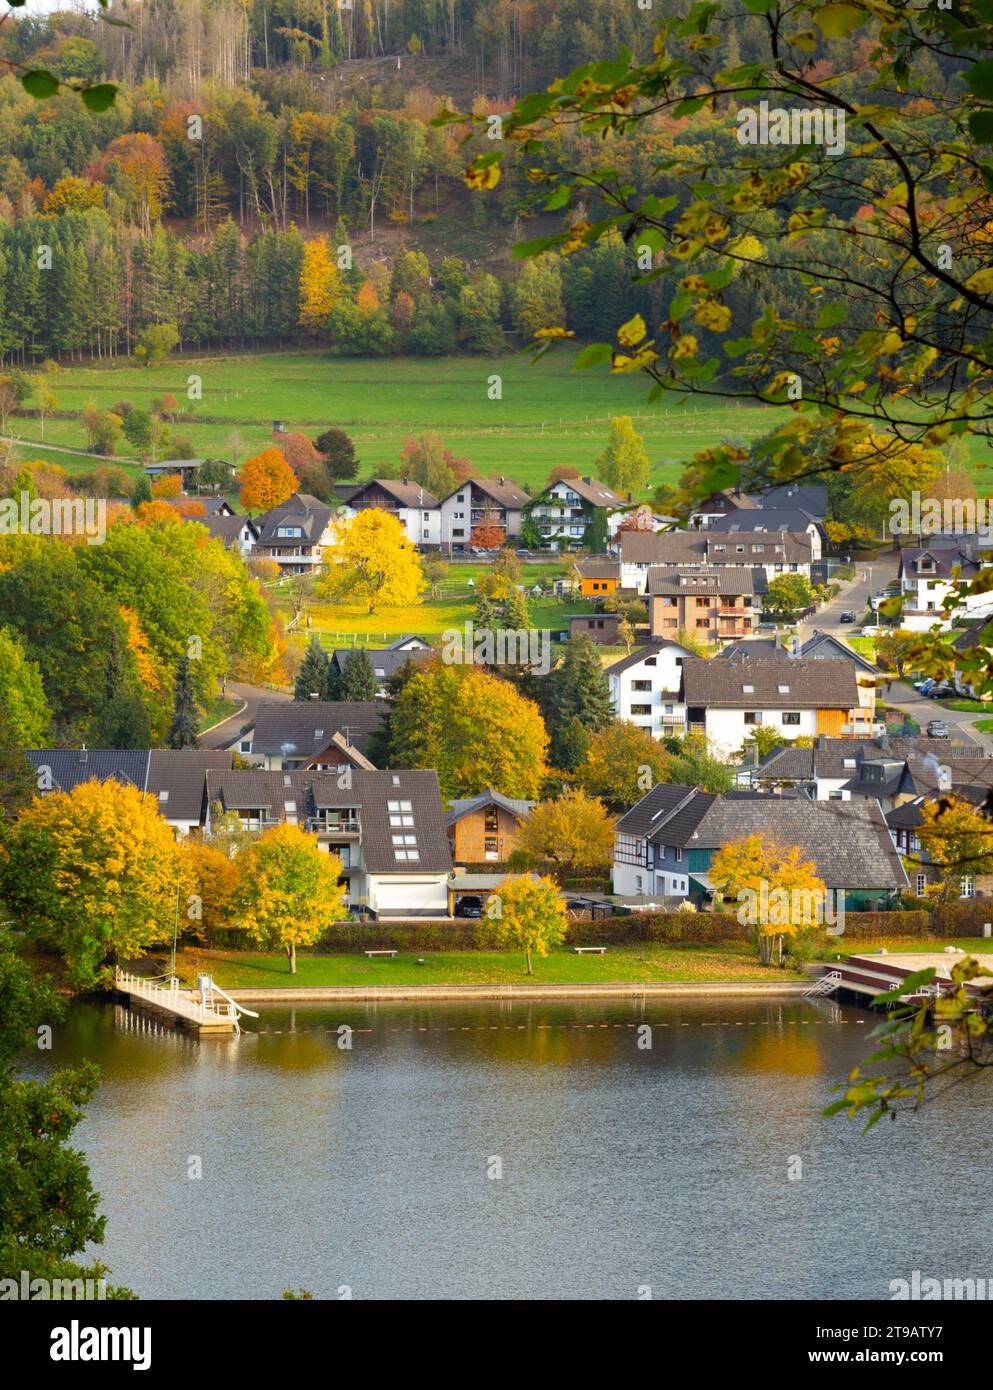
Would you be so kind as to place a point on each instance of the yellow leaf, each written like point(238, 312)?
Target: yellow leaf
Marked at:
point(632, 332)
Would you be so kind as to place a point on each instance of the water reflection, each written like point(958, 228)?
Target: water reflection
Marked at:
point(622, 1164)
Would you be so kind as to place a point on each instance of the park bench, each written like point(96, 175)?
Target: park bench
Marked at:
point(370, 954)
point(589, 950)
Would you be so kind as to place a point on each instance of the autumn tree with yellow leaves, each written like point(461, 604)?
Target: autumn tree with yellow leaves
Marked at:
point(957, 838)
point(528, 913)
point(320, 286)
point(95, 874)
point(574, 832)
point(776, 892)
point(288, 892)
point(373, 561)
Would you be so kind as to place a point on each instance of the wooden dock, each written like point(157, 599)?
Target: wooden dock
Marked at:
point(874, 973)
point(207, 1010)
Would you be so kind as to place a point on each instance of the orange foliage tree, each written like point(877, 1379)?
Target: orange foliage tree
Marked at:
point(170, 485)
point(266, 480)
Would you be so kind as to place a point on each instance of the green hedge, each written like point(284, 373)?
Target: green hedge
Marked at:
point(700, 928)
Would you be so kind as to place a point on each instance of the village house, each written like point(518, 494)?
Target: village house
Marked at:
point(928, 576)
point(665, 843)
point(887, 769)
point(176, 778)
point(601, 628)
point(388, 829)
point(904, 821)
point(485, 829)
point(386, 661)
point(727, 700)
point(234, 532)
point(290, 734)
point(414, 507)
point(776, 552)
point(296, 534)
point(742, 525)
point(493, 501)
point(598, 579)
point(791, 497)
point(644, 688)
point(187, 470)
point(713, 603)
point(564, 510)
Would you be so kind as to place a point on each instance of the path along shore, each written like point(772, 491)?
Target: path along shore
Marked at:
point(699, 989)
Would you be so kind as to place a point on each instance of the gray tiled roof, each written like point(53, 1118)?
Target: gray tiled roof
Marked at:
point(847, 840)
point(591, 490)
point(657, 806)
point(514, 806)
point(763, 519)
point(387, 660)
point(506, 494)
point(301, 728)
point(369, 792)
point(942, 560)
point(182, 773)
point(705, 579)
point(828, 757)
point(70, 766)
point(826, 684)
point(406, 493)
point(812, 498)
point(599, 569)
point(227, 528)
point(636, 657)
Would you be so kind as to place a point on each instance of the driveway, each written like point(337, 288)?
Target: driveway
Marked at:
point(223, 735)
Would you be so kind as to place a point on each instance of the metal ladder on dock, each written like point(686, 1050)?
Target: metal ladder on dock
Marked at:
point(827, 984)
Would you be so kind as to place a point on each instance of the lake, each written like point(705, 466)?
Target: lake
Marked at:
point(519, 1150)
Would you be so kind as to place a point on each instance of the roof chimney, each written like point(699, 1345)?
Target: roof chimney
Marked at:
point(501, 480)
point(405, 480)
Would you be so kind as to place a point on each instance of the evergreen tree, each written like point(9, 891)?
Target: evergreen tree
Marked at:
point(580, 691)
point(516, 614)
point(313, 677)
point(339, 453)
point(186, 718)
point(570, 745)
point(358, 681)
point(142, 492)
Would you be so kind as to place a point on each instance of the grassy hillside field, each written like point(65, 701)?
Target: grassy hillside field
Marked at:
point(548, 415)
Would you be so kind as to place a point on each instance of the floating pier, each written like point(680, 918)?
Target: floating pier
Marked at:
point(204, 1010)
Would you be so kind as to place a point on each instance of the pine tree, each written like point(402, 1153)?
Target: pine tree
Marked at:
point(358, 681)
point(142, 492)
point(516, 614)
point(313, 677)
point(580, 690)
point(186, 719)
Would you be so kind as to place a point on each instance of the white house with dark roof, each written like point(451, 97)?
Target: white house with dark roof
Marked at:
point(928, 576)
point(564, 510)
point(495, 500)
point(726, 700)
point(414, 507)
point(645, 688)
point(296, 533)
point(776, 552)
point(388, 828)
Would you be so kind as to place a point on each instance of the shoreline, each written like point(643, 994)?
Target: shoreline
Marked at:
point(288, 994)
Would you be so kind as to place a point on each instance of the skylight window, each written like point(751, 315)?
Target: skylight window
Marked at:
point(783, 689)
point(163, 796)
point(748, 690)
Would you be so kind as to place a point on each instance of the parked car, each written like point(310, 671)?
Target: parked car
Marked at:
point(941, 691)
point(937, 728)
point(925, 685)
point(849, 617)
point(470, 907)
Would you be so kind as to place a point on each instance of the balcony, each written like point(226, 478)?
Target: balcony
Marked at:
point(347, 829)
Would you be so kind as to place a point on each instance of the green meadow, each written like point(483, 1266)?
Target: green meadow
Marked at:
point(548, 414)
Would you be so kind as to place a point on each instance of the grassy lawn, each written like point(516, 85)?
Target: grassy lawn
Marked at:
point(345, 623)
point(865, 646)
point(967, 706)
point(984, 726)
point(547, 415)
point(221, 709)
point(649, 963)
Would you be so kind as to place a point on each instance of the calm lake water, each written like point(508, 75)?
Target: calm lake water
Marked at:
point(621, 1167)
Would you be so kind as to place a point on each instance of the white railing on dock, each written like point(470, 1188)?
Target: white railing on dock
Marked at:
point(827, 984)
point(195, 1006)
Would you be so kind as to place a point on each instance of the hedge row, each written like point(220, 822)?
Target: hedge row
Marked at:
point(701, 928)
